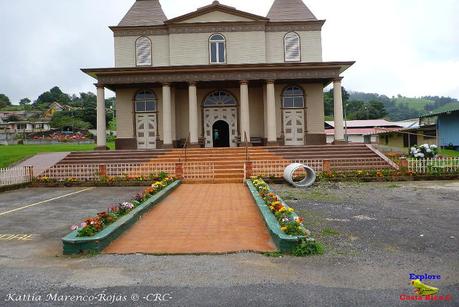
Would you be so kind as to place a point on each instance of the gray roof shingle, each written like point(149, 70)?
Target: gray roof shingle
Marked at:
point(290, 10)
point(144, 13)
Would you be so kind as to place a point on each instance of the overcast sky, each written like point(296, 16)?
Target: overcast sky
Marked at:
point(408, 47)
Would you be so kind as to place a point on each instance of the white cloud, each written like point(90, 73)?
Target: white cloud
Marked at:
point(406, 47)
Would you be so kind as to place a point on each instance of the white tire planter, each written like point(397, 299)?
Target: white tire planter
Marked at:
point(308, 180)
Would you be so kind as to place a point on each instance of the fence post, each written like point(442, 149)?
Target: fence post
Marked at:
point(102, 170)
point(29, 172)
point(249, 170)
point(404, 165)
point(179, 170)
point(327, 166)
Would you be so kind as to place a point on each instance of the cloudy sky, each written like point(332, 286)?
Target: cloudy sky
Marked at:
point(408, 47)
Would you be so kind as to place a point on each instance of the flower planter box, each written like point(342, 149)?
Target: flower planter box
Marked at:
point(74, 245)
point(284, 242)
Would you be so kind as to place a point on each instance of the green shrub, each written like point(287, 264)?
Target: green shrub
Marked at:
point(308, 247)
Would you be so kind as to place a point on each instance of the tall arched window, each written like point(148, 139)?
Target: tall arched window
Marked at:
point(145, 101)
point(219, 99)
point(293, 97)
point(292, 47)
point(143, 51)
point(217, 49)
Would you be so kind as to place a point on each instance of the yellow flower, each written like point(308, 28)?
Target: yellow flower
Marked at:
point(291, 210)
point(284, 229)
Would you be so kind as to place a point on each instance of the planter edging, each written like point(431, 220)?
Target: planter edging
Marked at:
point(284, 242)
point(79, 245)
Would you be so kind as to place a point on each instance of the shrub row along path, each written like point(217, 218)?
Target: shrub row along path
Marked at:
point(199, 218)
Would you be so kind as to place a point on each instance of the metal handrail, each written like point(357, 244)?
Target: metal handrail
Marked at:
point(185, 147)
point(247, 158)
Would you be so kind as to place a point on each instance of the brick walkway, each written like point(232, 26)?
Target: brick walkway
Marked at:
point(199, 218)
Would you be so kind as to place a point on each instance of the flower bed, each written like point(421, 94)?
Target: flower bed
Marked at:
point(109, 181)
point(285, 226)
point(95, 233)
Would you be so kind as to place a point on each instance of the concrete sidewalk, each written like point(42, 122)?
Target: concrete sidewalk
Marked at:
point(199, 218)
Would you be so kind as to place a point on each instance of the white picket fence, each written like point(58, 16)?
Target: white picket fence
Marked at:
point(436, 165)
point(15, 175)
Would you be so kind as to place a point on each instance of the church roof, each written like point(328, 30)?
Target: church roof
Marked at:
point(290, 10)
point(144, 13)
point(216, 6)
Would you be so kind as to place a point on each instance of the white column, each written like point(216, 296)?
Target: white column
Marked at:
point(265, 113)
point(193, 113)
point(101, 120)
point(271, 112)
point(174, 121)
point(167, 116)
point(245, 112)
point(338, 112)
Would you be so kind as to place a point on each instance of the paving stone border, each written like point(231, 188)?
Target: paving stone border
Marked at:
point(74, 245)
point(285, 243)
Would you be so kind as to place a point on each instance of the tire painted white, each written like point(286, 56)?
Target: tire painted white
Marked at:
point(308, 180)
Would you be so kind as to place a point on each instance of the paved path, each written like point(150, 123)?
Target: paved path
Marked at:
point(41, 162)
point(199, 218)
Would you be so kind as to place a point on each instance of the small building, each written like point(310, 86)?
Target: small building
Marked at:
point(24, 127)
point(361, 131)
point(447, 127)
point(404, 138)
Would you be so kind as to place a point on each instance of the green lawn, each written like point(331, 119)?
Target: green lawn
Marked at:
point(449, 153)
point(13, 153)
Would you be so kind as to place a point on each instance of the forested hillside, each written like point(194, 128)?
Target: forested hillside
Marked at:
point(361, 105)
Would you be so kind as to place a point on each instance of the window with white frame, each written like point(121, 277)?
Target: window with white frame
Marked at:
point(292, 47)
point(293, 98)
point(219, 99)
point(145, 101)
point(143, 51)
point(217, 49)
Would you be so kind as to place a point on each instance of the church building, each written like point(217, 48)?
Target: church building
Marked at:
point(218, 77)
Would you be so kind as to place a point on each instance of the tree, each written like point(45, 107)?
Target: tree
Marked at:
point(12, 118)
point(53, 95)
point(60, 121)
point(4, 101)
point(25, 101)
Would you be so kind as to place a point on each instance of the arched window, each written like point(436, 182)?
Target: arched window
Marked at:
point(219, 99)
point(217, 49)
point(292, 47)
point(145, 101)
point(293, 97)
point(143, 51)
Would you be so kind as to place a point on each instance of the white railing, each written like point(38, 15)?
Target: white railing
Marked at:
point(437, 165)
point(275, 168)
point(196, 171)
point(15, 175)
point(96, 171)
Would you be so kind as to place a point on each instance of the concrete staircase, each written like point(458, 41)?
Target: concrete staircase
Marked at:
point(229, 162)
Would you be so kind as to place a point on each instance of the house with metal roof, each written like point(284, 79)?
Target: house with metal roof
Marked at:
point(218, 76)
point(362, 131)
point(447, 127)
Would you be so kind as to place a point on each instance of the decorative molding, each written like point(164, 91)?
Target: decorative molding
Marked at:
point(190, 77)
point(209, 27)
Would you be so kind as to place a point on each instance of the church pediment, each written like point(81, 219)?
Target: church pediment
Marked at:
point(216, 12)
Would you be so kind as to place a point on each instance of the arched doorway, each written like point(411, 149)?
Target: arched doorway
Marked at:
point(218, 106)
point(221, 134)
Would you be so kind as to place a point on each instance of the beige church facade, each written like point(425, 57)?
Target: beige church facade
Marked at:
point(217, 77)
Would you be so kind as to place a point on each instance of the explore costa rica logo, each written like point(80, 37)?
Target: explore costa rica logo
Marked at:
point(424, 292)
